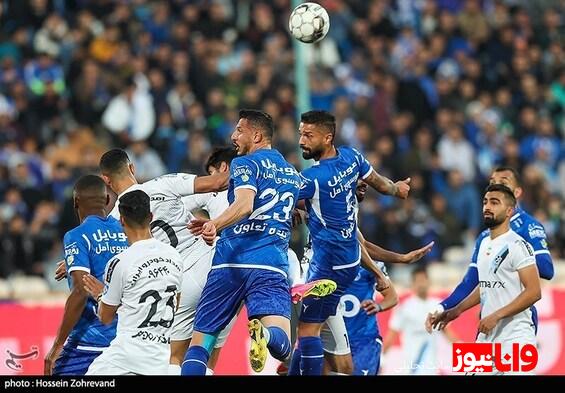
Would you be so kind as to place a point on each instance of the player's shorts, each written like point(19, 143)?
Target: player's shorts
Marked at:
point(193, 282)
point(334, 335)
point(337, 262)
point(102, 367)
point(74, 361)
point(264, 292)
point(366, 356)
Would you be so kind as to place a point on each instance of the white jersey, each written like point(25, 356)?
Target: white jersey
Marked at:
point(170, 215)
point(419, 347)
point(498, 263)
point(215, 203)
point(144, 281)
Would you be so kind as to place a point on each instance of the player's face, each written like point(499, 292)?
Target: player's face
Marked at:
point(506, 178)
point(311, 141)
point(361, 190)
point(495, 209)
point(242, 137)
point(421, 284)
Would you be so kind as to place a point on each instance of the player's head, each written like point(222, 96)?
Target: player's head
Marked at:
point(220, 160)
point(135, 212)
point(90, 196)
point(254, 128)
point(115, 165)
point(420, 282)
point(509, 177)
point(317, 133)
point(361, 190)
point(498, 205)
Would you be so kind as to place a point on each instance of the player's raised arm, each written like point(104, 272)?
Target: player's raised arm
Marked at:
point(211, 183)
point(386, 186)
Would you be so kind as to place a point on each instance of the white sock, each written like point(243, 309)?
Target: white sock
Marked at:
point(209, 371)
point(174, 369)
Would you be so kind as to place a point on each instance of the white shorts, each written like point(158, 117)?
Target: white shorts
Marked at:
point(334, 334)
point(104, 368)
point(193, 281)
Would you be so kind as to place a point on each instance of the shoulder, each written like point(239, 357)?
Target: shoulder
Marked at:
point(482, 236)
point(527, 226)
point(520, 245)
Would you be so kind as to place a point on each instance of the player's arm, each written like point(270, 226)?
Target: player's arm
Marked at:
point(382, 280)
point(241, 208)
point(79, 265)
point(109, 296)
point(397, 321)
point(74, 307)
point(378, 253)
point(211, 183)
point(541, 252)
point(386, 186)
point(439, 320)
point(390, 299)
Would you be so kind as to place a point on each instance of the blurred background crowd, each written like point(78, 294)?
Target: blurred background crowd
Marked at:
point(441, 91)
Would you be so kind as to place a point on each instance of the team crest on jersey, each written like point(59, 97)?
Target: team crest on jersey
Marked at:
point(243, 172)
point(535, 230)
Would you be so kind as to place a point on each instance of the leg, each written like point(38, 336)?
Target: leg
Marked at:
point(335, 341)
point(178, 350)
point(220, 301)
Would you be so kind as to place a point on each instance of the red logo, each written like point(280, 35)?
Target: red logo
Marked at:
point(483, 357)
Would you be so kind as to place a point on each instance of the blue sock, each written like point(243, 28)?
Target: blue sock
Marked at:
point(195, 361)
point(294, 368)
point(279, 344)
point(312, 355)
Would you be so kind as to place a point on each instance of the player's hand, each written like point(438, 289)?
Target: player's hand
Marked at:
point(488, 323)
point(430, 319)
point(50, 359)
point(403, 188)
point(92, 285)
point(370, 306)
point(442, 319)
point(416, 255)
point(196, 226)
point(299, 216)
point(209, 232)
point(61, 271)
point(382, 283)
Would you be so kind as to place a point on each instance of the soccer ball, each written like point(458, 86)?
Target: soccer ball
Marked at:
point(309, 23)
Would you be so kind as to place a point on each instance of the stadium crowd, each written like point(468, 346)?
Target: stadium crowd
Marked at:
point(439, 91)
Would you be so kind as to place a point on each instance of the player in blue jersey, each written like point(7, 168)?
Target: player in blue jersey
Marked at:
point(359, 312)
point(250, 264)
point(524, 225)
point(88, 248)
point(329, 194)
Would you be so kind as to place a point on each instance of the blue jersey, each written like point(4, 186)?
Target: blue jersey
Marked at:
point(260, 240)
point(360, 326)
point(88, 248)
point(329, 190)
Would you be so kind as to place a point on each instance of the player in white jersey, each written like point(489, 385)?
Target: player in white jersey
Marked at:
point(200, 257)
point(509, 282)
point(142, 287)
point(420, 350)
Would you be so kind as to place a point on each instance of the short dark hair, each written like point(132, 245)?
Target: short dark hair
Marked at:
point(135, 209)
point(92, 183)
point(259, 119)
point(503, 189)
point(419, 269)
point(114, 161)
point(513, 171)
point(321, 118)
point(220, 154)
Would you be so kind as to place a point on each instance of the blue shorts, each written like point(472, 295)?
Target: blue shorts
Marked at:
point(73, 361)
point(264, 292)
point(366, 356)
point(334, 263)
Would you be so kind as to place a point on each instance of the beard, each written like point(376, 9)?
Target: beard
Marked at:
point(491, 222)
point(308, 154)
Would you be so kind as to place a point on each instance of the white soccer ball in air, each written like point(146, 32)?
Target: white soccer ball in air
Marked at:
point(309, 23)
